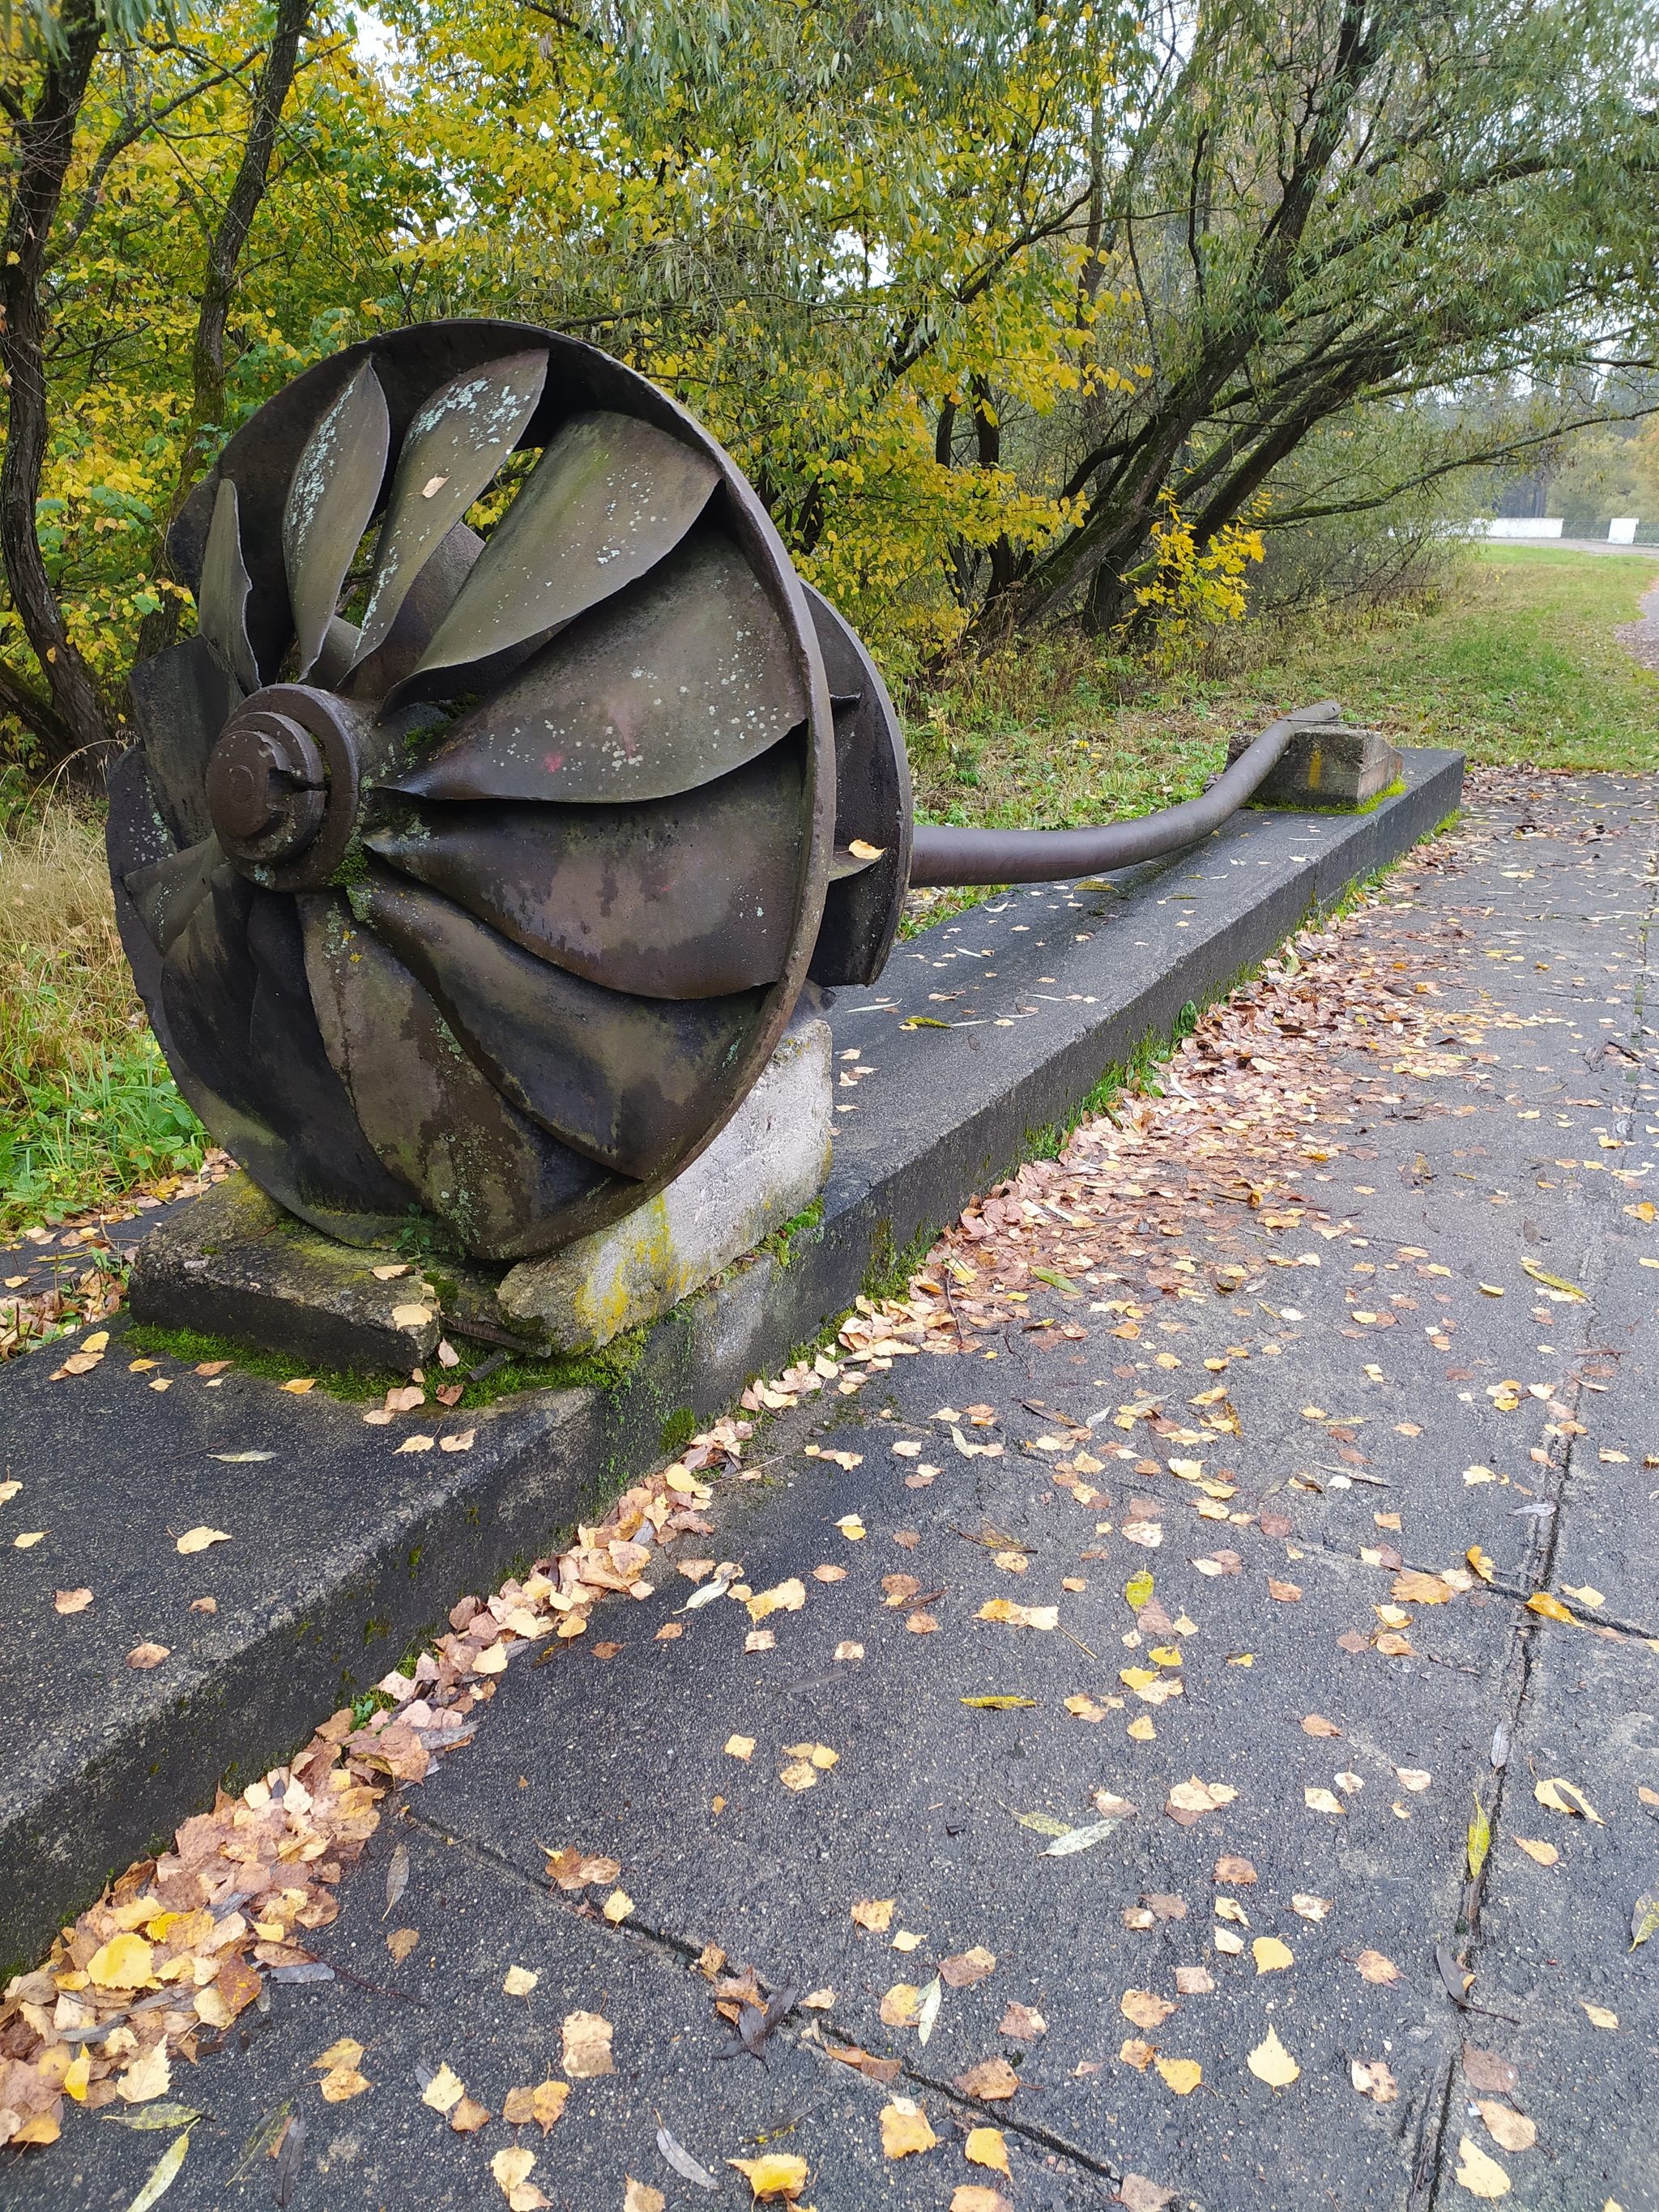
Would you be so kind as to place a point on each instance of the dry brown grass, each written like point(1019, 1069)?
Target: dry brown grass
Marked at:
point(87, 1106)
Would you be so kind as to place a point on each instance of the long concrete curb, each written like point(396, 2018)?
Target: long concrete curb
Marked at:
point(344, 1550)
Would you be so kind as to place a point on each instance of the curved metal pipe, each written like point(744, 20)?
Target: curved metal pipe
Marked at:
point(943, 855)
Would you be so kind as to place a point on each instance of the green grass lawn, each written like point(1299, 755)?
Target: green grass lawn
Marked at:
point(1517, 661)
point(1512, 656)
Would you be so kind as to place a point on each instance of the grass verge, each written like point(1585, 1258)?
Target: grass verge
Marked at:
point(88, 1109)
point(1513, 657)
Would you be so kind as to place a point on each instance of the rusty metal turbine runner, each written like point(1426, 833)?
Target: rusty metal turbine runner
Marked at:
point(478, 877)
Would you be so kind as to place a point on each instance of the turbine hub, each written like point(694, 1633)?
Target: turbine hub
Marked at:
point(282, 786)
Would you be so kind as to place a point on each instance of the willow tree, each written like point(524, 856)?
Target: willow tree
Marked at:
point(1335, 208)
point(992, 303)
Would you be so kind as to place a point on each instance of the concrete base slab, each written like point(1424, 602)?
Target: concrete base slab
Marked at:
point(767, 1166)
point(238, 1265)
point(344, 1548)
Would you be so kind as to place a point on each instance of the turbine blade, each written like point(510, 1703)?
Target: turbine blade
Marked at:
point(181, 700)
point(687, 897)
point(432, 1117)
point(632, 1082)
point(609, 497)
point(333, 495)
point(456, 443)
point(167, 892)
point(680, 679)
point(222, 603)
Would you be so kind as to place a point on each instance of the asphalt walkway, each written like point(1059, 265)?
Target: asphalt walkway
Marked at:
point(1306, 1380)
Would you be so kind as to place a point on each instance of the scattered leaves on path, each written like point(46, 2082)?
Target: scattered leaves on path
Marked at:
point(1566, 1797)
point(992, 2078)
point(1508, 2130)
point(778, 2174)
point(1373, 2079)
point(587, 2046)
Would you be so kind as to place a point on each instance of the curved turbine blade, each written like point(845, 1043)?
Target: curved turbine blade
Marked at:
point(456, 443)
point(687, 897)
point(330, 502)
point(246, 1047)
point(181, 700)
point(167, 892)
point(222, 603)
point(432, 1117)
point(632, 1082)
point(609, 497)
point(681, 680)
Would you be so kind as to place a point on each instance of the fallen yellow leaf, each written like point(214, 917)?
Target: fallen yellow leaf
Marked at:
point(1182, 2074)
point(543, 2104)
point(1546, 1854)
point(1480, 2175)
point(146, 2077)
point(1271, 1956)
point(1146, 2008)
point(1270, 2063)
point(904, 2129)
point(779, 2174)
point(788, 1597)
point(197, 1540)
point(519, 1981)
point(122, 1963)
point(984, 2147)
point(1566, 1797)
point(445, 2090)
point(1551, 1608)
point(1510, 2130)
point(586, 2040)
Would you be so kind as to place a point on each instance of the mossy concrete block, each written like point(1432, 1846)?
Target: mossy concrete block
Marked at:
point(1330, 765)
point(238, 1265)
point(767, 1165)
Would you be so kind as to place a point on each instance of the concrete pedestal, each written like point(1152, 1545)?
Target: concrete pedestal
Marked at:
point(237, 1266)
point(1328, 765)
point(766, 1166)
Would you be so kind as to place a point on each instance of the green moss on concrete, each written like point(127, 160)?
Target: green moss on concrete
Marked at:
point(607, 1369)
point(779, 1242)
point(1303, 806)
point(192, 1347)
point(678, 1430)
point(888, 1273)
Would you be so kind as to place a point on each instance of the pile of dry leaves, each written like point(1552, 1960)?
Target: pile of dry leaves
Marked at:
point(163, 1963)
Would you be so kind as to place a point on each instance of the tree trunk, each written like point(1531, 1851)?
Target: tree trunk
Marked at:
point(219, 287)
point(74, 722)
